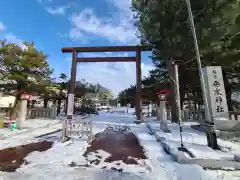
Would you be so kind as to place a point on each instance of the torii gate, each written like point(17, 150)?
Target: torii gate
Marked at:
point(75, 60)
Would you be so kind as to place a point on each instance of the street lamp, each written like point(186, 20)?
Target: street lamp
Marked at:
point(212, 140)
point(161, 111)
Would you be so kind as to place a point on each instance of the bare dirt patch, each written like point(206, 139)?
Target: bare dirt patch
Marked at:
point(12, 158)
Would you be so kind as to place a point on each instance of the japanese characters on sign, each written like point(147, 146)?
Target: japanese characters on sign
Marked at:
point(75, 128)
point(216, 92)
point(79, 128)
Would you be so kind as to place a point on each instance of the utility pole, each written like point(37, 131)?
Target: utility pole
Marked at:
point(211, 134)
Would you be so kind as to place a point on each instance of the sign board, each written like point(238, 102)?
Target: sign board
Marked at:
point(70, 105)
point(215, 92)
point(79, 128)
point(75, 128)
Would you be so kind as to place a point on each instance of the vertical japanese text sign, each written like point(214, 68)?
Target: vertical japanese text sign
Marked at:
point(216, 92)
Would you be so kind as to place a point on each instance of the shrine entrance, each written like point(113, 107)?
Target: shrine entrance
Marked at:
point(76, 59)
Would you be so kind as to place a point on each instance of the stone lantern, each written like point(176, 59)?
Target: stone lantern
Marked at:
point(161, 111)
point(22, 111)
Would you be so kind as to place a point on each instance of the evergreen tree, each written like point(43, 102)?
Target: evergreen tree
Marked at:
point(24, 69)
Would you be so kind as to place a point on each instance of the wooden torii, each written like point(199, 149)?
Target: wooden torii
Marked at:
point(75, 60)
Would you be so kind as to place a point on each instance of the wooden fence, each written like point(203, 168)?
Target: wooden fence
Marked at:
point(191, 115)
point(41, 113)
point(33, 113)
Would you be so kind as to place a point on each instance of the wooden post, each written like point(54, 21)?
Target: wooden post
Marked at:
point(138, 85)
point(70, 104)
point(172, 95)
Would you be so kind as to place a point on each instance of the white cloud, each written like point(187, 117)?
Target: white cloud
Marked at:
point(2, 27)
point(13, 39)
point(61, 10)
point(75, 34)
point(119, 28)
point(124, 6)
point(115, 76)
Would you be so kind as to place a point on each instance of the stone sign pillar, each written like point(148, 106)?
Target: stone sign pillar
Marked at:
point(216, 92)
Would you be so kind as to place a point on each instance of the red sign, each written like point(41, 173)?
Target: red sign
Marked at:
point(165, 91)
point(162, 95)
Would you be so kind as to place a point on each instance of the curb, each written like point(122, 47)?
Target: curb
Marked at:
point(162, 140)
point(46, 134)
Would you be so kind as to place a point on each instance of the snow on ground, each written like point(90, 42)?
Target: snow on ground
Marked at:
point(54, 163)
point(225, 175)
point(117, 165)
point(24, 137)
point(161, 165)
point(28, 125)
point(196, 142)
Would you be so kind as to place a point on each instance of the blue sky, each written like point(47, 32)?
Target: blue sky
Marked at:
point(53, 24)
